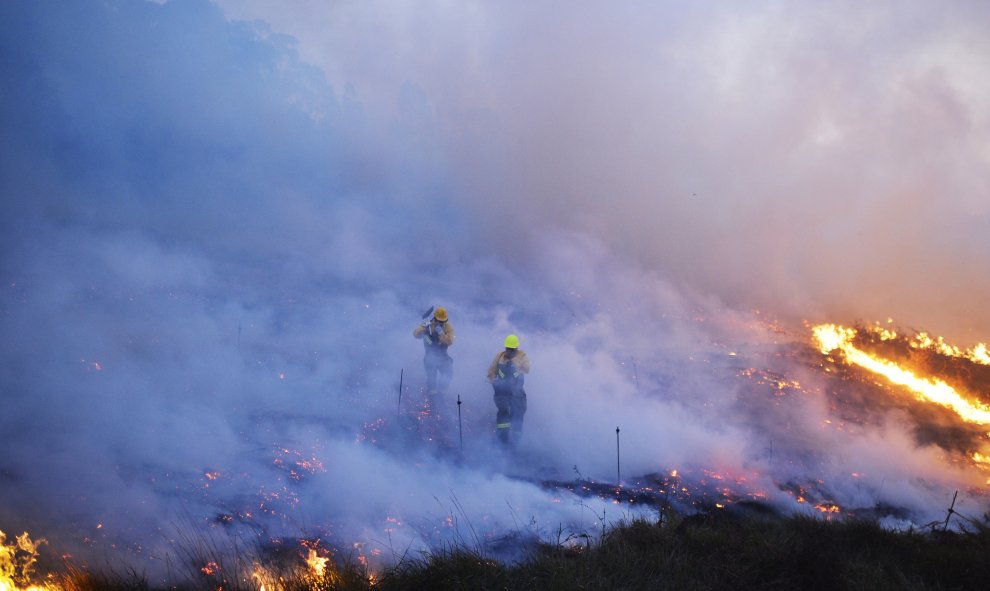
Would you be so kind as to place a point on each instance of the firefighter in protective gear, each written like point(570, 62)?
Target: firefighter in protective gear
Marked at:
point(437, 336)
point(507, 375)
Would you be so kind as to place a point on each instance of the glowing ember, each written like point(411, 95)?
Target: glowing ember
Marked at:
point(210, 568)
point(768, 378)
point(297, 464)
point(831, 338)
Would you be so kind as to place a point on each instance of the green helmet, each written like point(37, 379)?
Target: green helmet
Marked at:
point(512, 342)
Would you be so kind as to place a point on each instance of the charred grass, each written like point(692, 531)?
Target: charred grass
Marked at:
point(702, 552)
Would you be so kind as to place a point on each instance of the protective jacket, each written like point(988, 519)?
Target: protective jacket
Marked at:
point(436, 335)
point(504, 367)
point(507, 376)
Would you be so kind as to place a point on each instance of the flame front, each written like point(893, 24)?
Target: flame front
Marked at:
point(924, 341)
point(977, 354)
point(831, 338)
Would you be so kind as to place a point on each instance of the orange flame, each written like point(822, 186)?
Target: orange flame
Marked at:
point(17, 560)
point(265, 580)
point(831, 337)
point(977, 354)
point(317, 564)
point(924, 341)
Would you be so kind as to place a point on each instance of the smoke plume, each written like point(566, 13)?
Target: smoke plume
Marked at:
point(225, 220)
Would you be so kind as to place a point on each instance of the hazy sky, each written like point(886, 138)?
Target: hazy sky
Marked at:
point(815, 161)
point(223, 222)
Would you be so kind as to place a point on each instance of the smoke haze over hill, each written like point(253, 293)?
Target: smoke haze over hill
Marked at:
point(810, 160)
point(224, 221)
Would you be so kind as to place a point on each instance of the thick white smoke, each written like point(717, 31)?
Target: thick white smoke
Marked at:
point(216, 251)
point(811, 160)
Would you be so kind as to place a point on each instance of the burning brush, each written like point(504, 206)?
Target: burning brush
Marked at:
point(862, 374)
point(858, 348)
point(910, 365)
point(17, 562)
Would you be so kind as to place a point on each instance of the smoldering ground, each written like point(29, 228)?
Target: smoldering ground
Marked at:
point(214, 259)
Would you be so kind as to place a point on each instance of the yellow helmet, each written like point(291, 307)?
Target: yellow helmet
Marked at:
point(441, 314)
point(512, 342)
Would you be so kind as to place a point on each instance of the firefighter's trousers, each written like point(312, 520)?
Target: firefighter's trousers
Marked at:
point(511, 405)
point(439, 370)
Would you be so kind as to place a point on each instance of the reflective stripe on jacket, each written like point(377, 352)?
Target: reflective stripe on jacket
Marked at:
point(516, 366)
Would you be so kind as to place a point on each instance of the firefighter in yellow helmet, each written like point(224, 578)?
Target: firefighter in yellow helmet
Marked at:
point(437, 336)
point(507, 374)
